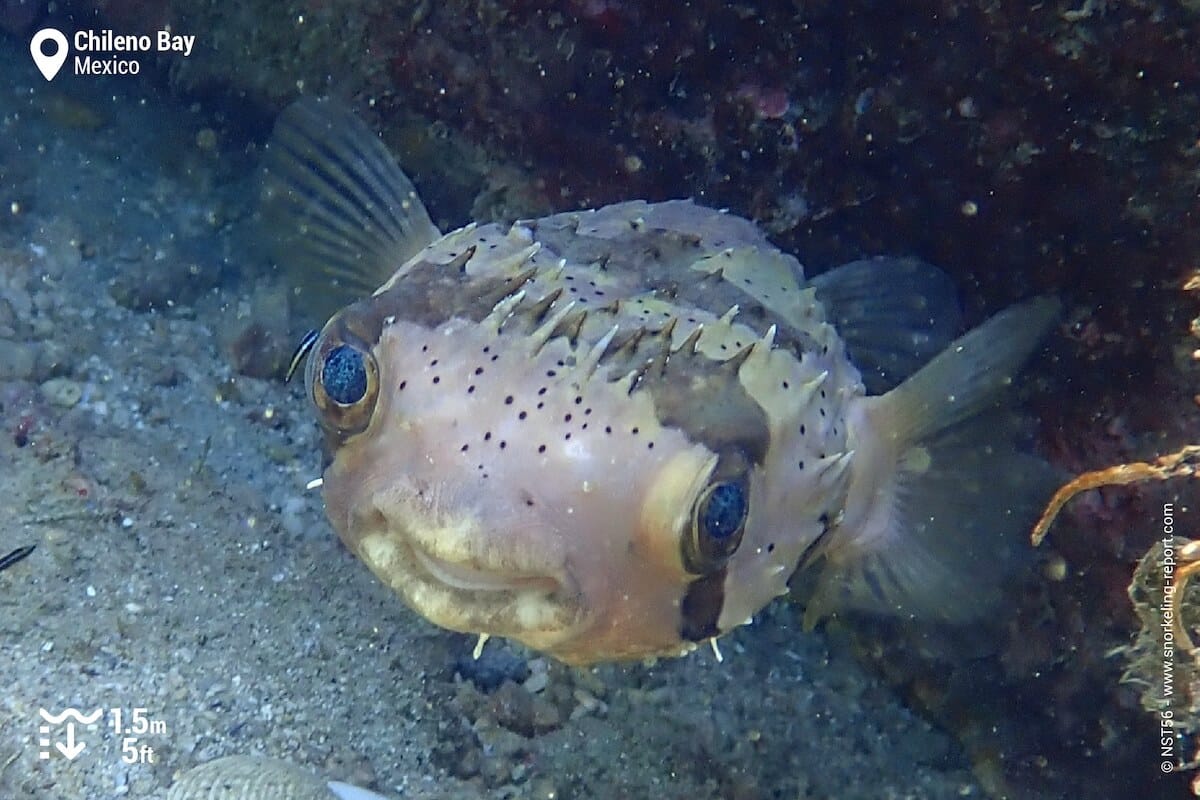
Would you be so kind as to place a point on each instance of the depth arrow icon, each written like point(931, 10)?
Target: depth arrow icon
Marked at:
point(72, 748)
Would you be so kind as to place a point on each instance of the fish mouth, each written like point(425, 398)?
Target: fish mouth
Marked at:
point(539, 606)
point(459, 576)
point(456, 575)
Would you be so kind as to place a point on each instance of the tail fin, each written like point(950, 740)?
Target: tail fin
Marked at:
point(941, 496)
point(340, 213)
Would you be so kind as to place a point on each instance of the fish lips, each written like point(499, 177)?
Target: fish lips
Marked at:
point(445, 573)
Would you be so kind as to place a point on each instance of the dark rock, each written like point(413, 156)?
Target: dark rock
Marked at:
point(495, 665)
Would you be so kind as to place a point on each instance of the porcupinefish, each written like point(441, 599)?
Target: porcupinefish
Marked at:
point(620, 432)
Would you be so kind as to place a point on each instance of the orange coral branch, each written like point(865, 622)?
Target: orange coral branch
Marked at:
point(1183, 463)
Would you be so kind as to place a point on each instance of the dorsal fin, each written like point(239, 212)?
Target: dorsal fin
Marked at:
point(340, 213)
point(894, 314)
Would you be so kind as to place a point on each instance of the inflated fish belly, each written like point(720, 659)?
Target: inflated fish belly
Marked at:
point(618, 433)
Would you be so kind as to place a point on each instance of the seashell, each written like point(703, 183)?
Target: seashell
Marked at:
point(260, 778)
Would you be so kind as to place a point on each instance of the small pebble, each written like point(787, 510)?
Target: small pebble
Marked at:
point(543, 789)
point(52, 360)
point(494, 666)
point(512, 707)
point(546, 716)
point(17, 360)
point(206, 139)
point(536, 682)
point(62, 392)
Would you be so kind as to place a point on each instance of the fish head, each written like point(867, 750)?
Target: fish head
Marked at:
point(499, 488)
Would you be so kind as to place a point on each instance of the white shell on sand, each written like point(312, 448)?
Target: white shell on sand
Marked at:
point(259, 778)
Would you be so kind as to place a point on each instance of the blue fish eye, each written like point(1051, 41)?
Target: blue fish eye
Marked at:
point(718, 522)
point(723, 511)
point(344, 375)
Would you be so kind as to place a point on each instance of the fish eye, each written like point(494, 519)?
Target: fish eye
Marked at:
point(718, 522)
point(344, 375)
point(345, 387)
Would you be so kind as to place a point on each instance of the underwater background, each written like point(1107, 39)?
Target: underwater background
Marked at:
point(152, 456)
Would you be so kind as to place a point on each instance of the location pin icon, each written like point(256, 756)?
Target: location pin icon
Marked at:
point(49, 65)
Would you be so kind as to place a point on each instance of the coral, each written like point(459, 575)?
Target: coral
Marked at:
point(1162, 660)
point(1182, 464)
point(1162, 663)
point(1168, 606)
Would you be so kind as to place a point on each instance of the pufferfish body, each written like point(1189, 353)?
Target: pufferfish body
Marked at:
point(617, 433)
